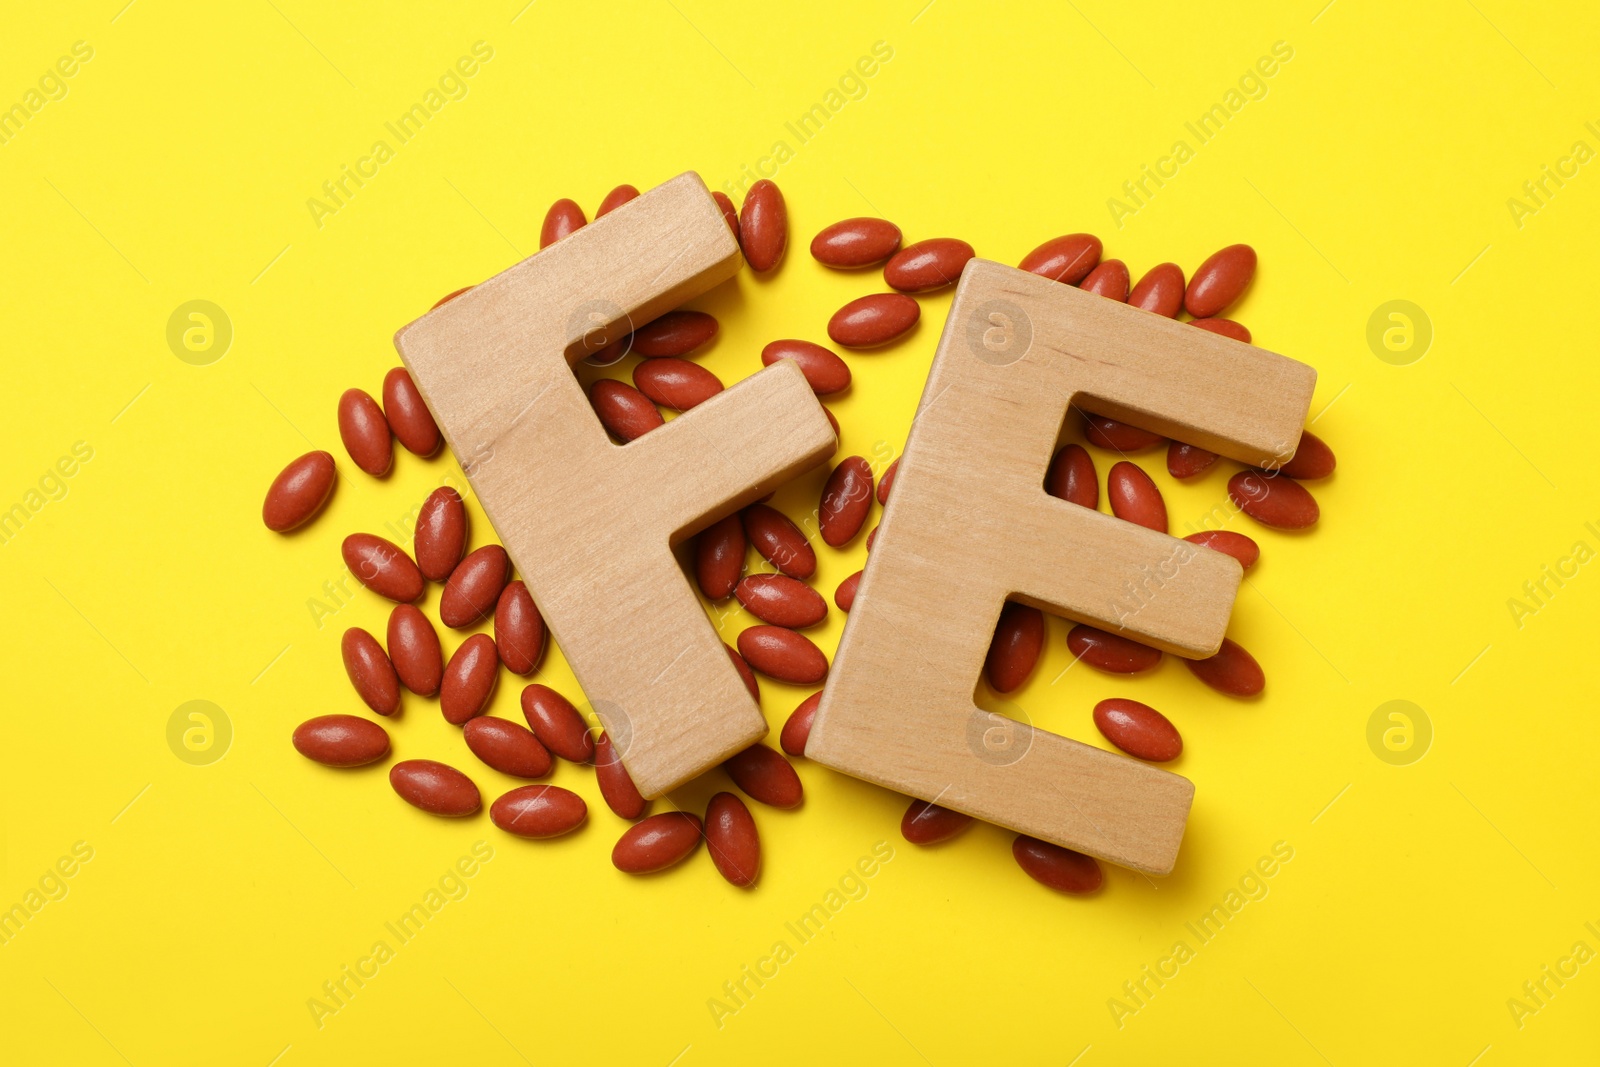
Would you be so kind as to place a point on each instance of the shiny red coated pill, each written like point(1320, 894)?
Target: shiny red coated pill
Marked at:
point(766, 776)
point(1018, 640)
point(797, 728)
point(299, 492)
point(732, 840)
point(1067, 259)
point(1133, 496)
point(857, 242)
point(1138, 729)
point(1110, 652)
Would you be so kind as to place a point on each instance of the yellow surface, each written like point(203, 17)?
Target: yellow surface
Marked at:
point(217, 899)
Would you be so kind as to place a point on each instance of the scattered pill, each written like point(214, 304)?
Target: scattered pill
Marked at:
point(857, 242)
point(407, 414)
point(1110, 652)
point(845, 595)
point(677, 333)
point(474, 587)
point(929, 824)
point(299, 491)
point(436, 788)
point(783, 654)
point(797, 728)
point(927, 265)
point(1232, 671)
point(365, 432)
point(763, 226)
point(1186, 461)
point(341, 740)
point(414, 650)
point(538, 811)
point(1133, 496)
point(1274, 501)
point(1312, 459)
point(766, 776)
point(563, 218)
point(1072, 477)
point(382, 566)
point(507, 747)
point(1160, 290)
point(623, 410)
point(519, 630)
point(870, 321)
point(370, 671)
point(616, 786)
point(557, 724)
point(1018, 640)
point(441, 535)
point(657, 843)
point(1138, 729)
point(1221, 280)
point(469, 679)
point(675, 383)
point(1109, 279)
point(846, 501)
point(825, 372)
point(1066, 259)
point(781, 600)
point(732, 840)
point(719, 557)
point(1058, 868)
point(1229, 543)
point(779, 540)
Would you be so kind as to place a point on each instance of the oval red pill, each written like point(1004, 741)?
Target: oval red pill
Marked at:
point(825, 372)
point(623, 410)
point(341, 740)
point(719, 557)
point(382, 566)
point(657, 843)
point(675, 383)
point(1066, 259)
point(1186, 461)
point(1134, 497)
point(763, 225)
point(557, 724)
point(746, 675)
point(845, 595)
point(414, 650)
point(1224, 327)
point(846, 501)
point(1221, 280)
point(1160, 290)
point(563, 218)
point(766, 776)
point(469, 679)
point(1228, 543)
point(927, 265)
point(538, 811)
point(1138, 729)
point(1058, 868)
point(1018, 640)
point(474, 587)
point(677, 333)
point(1109, 279)
point(929, 824)
point(1072, 477)
point(441, 535)
point(870, 321)
point(730, 214)
point(506, 747)
point(887, 482)
point(781, 600)
point(616, 786)
point(1115, 436)
point(436, 788)
point(370, 671)
point(783, 654)
point(779, 541)
point(1312, 459)
point(299, 491)
point(732, 840)
point(615, 199)
point(407, 414)
point(1110, 652)
point(365, 432)
point(1280, 502)
point(1232, 671)
point(519, 631)
point(797, 728)
point(857, 242)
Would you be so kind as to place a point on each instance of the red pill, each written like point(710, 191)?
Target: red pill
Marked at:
point(538, 811)
point(1138, 729)
point(845, 595)
point(1280, 502)
point(1133, 496)
point(616, 786)
point(927, 265)
point(1221, 280)
point(1186, 461)
point(1058, 868)
point(1066, 259)
point(846, 501)
point(779, 541)
point(1229, 543)
point(732, 840)
point(797, 728)
point(719, 557)
point(1160, 290)
point(781, 600)
point(436, 788)
point(299, 491)
point(616, 198)
point(857, 242)
point(474, 587)
point(469, 679)
point(1232, 671)
point(341, 740)
point(563, 218)
point(445, 299)
point(441, 535)
point(825, 372)
point(370, 671)
point(657, 843)
point(929, 824)
point(763, 226)
point(1110, 652)
point(1115, 436)
point(414, 650)
point(1223, 327)
point(730, 214)
point(507, 747)
point(557, 724)
point(783, 654)
point(519, 631)
point(623, 410)
point(886, 482)
point(676, 383)
point(365, 432)
point(746, 675)
point(766, 776)
point(1018, 640)
point(677, 333)
point(382, 566)
point(407, 414)
point(1312, 459)
point(1109, 279)
point(870, 321)
point(1072, 477)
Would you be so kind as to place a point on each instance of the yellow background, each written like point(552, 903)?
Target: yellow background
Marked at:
point(220, 897)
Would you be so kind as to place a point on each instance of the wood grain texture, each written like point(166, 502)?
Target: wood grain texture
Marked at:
point(590, 523)
point(969, 525)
